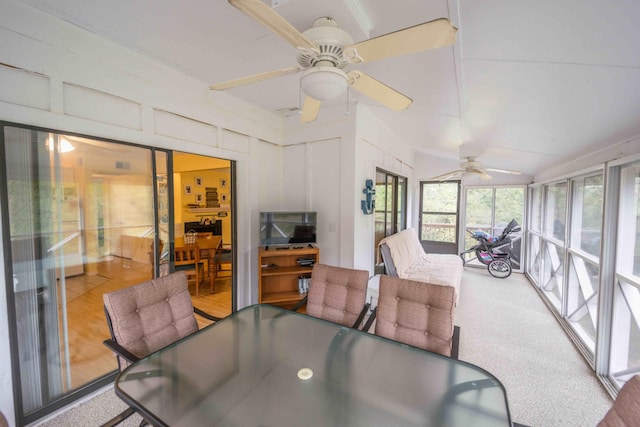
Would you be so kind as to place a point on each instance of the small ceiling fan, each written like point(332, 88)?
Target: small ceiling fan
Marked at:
point(324, 50)
point(470, 166)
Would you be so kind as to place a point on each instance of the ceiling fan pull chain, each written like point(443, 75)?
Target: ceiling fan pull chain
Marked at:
point(347, 96)
point(300, 95)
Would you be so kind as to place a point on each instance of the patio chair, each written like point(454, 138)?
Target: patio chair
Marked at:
point(187, 259)
point(147, 317)
point(337, 294)
point(625, 411)
point(416, 313)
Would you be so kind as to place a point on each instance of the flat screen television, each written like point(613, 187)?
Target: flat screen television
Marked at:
point(287, 228)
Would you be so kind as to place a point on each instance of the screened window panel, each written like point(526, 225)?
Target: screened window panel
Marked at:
point(582, 298)
point(552, 275)
point(556, 211)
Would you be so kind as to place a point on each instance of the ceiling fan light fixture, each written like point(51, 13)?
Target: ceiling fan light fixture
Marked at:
point(324, 83)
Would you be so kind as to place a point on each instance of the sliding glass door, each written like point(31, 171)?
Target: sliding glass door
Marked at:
point(81, 221)
point(390, 205)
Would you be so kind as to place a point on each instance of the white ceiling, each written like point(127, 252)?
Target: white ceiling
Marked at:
point(528, 83)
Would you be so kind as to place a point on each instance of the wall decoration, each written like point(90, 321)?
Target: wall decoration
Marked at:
point(199, 198)
point(368, 204)
point(224, 198)
point(223, 182)
point(187, 189)
point(198, 180)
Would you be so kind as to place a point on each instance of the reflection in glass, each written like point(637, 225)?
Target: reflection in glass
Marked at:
point(556, 210)
point(69, 210)
point(586, 223)
point(535, 219)
point(629, 222)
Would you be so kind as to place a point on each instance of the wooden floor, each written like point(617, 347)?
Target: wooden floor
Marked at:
point(89, 358)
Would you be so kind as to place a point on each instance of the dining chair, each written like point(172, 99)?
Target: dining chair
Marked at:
point(187, 259)
point(625, 411)
point(147, 317)
point(416, 313)
point(152, 255)
point(224, 256)
point(337, 294)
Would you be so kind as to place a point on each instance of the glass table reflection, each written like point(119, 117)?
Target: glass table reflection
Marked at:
point(265, 366)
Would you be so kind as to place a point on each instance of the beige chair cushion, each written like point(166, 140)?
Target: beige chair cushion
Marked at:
point(152, 314)
point(625, 411)
point(337, 294)
point(416, 313)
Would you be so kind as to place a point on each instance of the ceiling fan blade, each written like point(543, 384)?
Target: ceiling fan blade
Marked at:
point(377, 90)
point(310, 109)
point(429, 35)
point(505, 171)
point(254, 78)
point(446, 176)
point(485, 176)
point(264, 15)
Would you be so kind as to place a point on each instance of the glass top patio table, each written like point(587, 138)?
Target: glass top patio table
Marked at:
point(266, 366)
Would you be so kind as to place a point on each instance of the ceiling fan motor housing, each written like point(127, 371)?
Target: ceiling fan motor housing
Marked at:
point(330, 41)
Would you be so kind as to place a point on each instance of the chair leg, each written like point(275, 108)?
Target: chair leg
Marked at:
point(455, 346)
point(119, 418)
point(212, 274)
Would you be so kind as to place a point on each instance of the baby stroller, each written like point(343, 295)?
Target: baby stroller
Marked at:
point(498, 264)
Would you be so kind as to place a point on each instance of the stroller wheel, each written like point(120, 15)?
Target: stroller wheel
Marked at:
point(499, 268)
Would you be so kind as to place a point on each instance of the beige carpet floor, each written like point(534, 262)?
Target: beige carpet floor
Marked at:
point(508, 330)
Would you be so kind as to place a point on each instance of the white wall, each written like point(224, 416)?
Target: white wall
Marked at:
point(61, 77)
point(376, 147)
point(318, 170)
point(336, 159)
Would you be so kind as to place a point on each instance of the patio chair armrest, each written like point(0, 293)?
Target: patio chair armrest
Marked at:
point(370, 320)
point(361, 315)
point(455, 346)
point(300, 303)
point(206, 315)
point(121, 351)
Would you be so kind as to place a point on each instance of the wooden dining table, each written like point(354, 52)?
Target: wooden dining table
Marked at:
point(209, 246)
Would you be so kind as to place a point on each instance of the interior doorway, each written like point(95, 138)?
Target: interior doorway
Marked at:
point(202, 207)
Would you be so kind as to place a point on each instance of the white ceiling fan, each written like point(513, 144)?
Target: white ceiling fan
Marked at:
point(470, 166)
point(325, 50)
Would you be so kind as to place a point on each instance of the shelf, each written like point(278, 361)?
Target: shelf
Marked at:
point(282, 297)
point(208, 210)
point(279, 285)
point(278, 271)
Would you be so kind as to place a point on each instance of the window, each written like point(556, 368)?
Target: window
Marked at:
point(490, 210)
point(625, 351)
point(556, 210)
point(439, 218)
point(584, 253)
